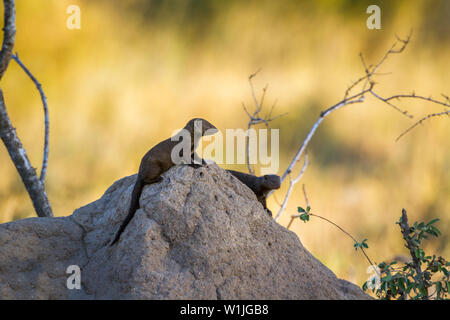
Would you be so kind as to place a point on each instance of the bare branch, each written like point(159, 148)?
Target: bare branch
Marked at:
point(256, 118)
point(46, 121)
point(258, 106)
point(261, 102)
point(372, 71)
point(19, 156)
point(305, 195)
point(392, 50)
point(422, 120)
point(292, 183)
point(357, 98)
point(415, 96)
point(387, 101)
point(356, 93)
point(8, 134)
point(9, 32)
point(247, 153)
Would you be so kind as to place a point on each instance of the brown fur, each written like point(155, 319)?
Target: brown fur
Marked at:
point(154, 163)
point(261, 186)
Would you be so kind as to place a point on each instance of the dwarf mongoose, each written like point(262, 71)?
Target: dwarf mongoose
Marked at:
point(261, 186)
point(159, 159)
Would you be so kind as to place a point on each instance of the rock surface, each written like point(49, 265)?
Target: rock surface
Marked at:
point(200, 234)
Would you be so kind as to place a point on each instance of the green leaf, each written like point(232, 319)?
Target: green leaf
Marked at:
point(432, 221)
point(401, 284)
point(409, 286)
point(419, 253)
point(300, 209)
point(387, 278)
point(357, 245)
point(304, 217)
point(393, 289)
point(308, 208)
point(434, 231)
point(423, 291)
point(438, 287)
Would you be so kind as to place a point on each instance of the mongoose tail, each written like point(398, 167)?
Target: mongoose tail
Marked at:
point(134, 205)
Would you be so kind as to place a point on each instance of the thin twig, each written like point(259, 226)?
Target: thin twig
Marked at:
point(357, 98)
point(258, 106)
point(306, 196)
point(387, 101)
point(256, 118)
point(8, 134)
point(370, 72)
point(292, 183)
point(307, 205)
point(348, 234)
point(323, 218)
point(422, 120)
point(46, 121)
point(20, 159)
point(415, 96)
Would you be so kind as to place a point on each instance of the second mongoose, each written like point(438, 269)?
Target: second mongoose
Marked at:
point(158, 160)
point(261, 186)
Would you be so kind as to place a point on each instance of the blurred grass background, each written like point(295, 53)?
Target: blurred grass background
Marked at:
point(137, 70)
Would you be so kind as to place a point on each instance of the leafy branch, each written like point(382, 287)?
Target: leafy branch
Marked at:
point(414, 279)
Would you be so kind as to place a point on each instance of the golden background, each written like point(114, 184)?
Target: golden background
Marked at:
point(137, 70)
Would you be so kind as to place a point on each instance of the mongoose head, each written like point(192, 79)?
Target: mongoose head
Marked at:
point(201, 126)
point(271, 181)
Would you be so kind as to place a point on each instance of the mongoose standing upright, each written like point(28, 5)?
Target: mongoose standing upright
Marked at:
point(159, 159)
point(261, 186)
